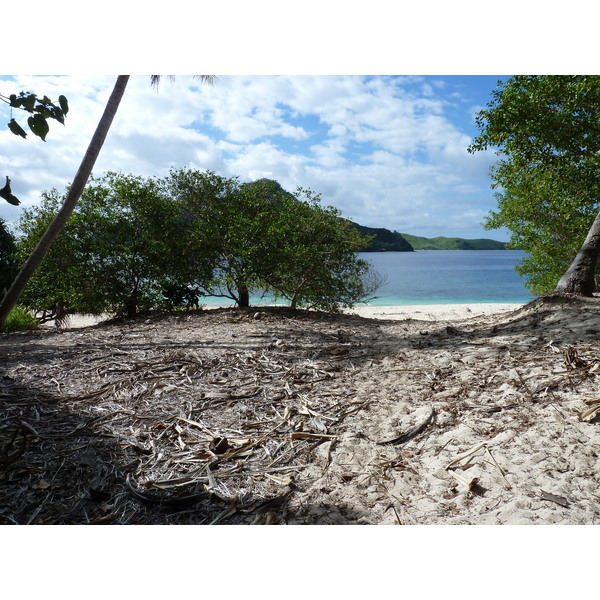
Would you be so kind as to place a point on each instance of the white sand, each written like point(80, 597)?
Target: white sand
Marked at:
point(432, 312)
point(508, 393)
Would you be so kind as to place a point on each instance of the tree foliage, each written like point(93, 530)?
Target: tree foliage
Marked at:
point(39, 109)
point(123, 246)
point(546, 130)
point(263, 238)
point(219, 223)
point(308, 252)
point(8, 263)
point(133, 244)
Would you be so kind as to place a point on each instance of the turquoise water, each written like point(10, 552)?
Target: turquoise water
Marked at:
point(439, 277)
point(449, 277)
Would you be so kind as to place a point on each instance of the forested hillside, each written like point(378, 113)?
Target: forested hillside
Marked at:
point(383, 240)
point(452, 243)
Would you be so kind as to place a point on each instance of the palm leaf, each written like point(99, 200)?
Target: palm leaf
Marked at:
point(155, 79)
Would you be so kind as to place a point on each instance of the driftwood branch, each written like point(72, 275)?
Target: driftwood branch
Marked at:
point(171, 501)
point(412, 433)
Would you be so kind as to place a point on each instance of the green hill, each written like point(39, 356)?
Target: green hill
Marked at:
point(384, 240)
point(448, 243)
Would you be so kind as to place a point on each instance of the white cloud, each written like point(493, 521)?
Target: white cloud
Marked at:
point(379, 148)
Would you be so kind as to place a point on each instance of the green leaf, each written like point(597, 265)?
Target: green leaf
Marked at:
point(58, 115)
point(64, 105)
point(29, 102)
point(41, 125)
point(16, 128)
point(33, 126)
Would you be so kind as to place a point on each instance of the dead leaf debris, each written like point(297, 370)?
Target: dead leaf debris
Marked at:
point(273, 416)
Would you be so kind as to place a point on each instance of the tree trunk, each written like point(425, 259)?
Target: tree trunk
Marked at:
point(243, 296)
point(580, 276)
point(75, 191)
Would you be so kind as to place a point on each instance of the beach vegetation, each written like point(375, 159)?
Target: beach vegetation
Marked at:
point(8, 264)
point(19, 319)
point(226, 226)
point(134, 244)
point(311, 257)
point(123, 250)
point(262, 238)
point(545, 131)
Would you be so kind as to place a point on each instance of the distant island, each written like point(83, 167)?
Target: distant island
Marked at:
point(385, 240)
point(452, 243)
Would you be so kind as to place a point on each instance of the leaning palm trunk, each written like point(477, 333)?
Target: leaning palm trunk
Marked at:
point(79, 182)
point(580, 276)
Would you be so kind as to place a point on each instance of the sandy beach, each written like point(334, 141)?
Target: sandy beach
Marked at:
point(443, 414)
point(432, 312)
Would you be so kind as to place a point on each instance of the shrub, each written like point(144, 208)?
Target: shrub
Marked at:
point(19, 319)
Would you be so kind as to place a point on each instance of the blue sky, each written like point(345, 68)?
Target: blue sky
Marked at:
point(388, 151)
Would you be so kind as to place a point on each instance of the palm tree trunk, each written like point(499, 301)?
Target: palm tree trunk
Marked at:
point(79, 182)
point(580, 276)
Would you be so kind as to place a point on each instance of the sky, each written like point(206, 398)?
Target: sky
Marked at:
point(388, 151)
point(373, 109)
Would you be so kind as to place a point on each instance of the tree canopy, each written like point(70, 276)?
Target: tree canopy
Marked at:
point(133, 244)
point(546, 130)
point(123, 245)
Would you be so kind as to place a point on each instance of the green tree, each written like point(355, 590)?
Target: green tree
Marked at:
point(262, 238)
point(546, 130)
point(124, 245)
point(75, 191)
point(211, 204)
point(8, 262)
point(57, 287)
point(308, 254)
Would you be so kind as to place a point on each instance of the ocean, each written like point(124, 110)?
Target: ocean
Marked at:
point(449, 277)
point(440, 277)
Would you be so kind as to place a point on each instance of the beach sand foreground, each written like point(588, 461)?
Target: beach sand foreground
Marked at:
point(425, 312)
point(462, 414)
